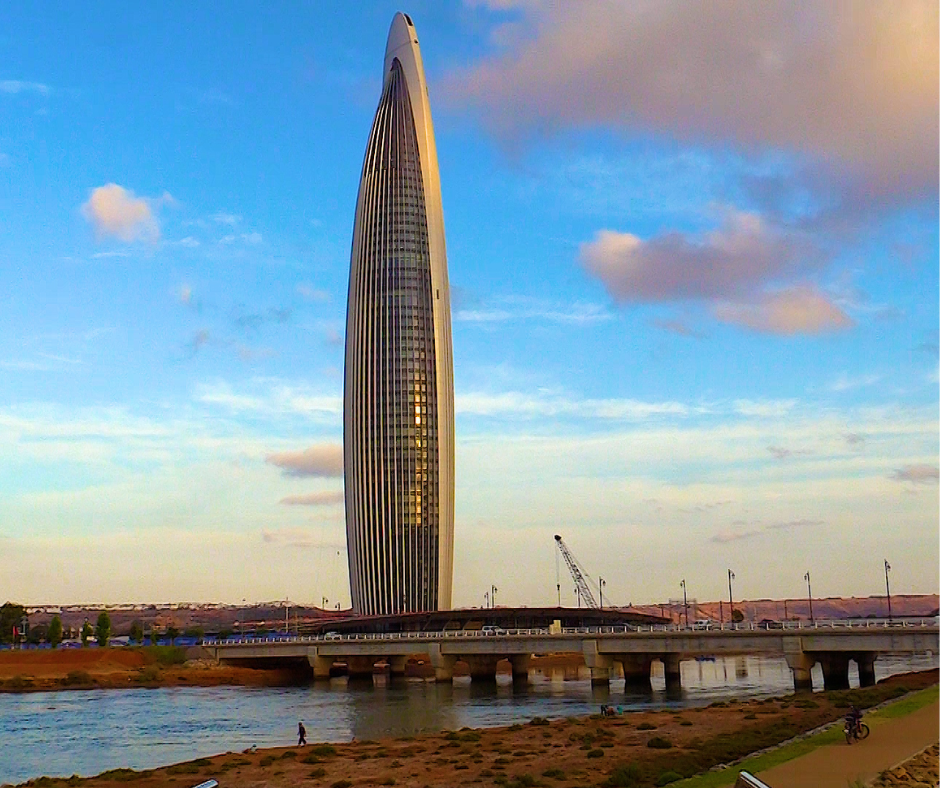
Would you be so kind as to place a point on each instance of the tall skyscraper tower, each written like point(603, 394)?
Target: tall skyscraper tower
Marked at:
point(398, 407)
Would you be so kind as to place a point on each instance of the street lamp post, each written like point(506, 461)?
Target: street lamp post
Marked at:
point(486, 599)
point(888, 587)
point(600, 584)
point(685, 603)
point(578, 592)
point(493, 589)
point(730, 596)
point(809, 596)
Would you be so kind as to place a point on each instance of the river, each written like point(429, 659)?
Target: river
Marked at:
point(86, 732)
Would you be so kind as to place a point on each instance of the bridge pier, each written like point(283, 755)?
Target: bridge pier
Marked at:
point(801, 665)
point(397, 665)
point(599, 664)
point(866, 668)
point(636, 669)
point(321, 665)
point(520, 668)
point(482, 666)
point(835, 669)
point(443, 664)
point(671, 670)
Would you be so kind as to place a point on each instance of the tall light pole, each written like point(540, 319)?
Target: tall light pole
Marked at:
point(809, 596)
point(730, 595)
point(578, 592)
point(888, 587)
point(685, 603)
point(493, 589)
point(600, 585)
point(486, 599)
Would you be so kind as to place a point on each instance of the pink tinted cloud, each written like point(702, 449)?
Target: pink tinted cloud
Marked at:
point(325, 498)
point(737, 259)
point(917, 474)
point(853, 83)
point(797, 310)
point(114, 211)
point(324, 460)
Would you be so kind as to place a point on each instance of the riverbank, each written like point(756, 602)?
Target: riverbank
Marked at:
point(122, 668)
point(638, 749)
point(171, 666)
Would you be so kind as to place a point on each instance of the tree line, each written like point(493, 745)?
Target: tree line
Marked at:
point(15, 629)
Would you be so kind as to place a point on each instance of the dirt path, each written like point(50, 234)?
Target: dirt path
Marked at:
point(838, 765)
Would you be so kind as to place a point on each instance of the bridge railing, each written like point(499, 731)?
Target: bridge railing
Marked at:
point(625, 630)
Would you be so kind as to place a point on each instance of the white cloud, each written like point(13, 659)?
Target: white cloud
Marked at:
point(14, 86)
point(114, 211)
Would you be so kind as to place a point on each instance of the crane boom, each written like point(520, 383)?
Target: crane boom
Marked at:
point(576, 573)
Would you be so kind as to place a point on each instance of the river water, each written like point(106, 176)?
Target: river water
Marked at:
point(86, 732)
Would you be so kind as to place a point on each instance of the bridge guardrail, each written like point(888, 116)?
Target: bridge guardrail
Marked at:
point(774, 627)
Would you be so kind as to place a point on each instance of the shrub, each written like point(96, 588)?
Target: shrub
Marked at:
point(553, 773)
point(323, 750)
point(341, 784)
point(686, 722)
point(391, 780)
point(267, 760)
point(317, 773)
point(19, 682)
point(659, 743)
point(148, 674)
point(121, 775)
point(166, 655)
point(538, 721)
point(523, 780)
point(515, 727)
point(76, 677)
point(668, 777)
point(623, 776)
point(646, 726)
point(595, 753)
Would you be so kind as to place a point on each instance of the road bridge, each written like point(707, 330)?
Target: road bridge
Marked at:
point(832, 644)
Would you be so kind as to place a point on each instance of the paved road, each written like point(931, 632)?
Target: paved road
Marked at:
point(838, 765)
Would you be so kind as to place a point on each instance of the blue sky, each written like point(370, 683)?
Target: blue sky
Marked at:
point(693, 253)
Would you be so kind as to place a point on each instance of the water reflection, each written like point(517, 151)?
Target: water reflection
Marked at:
point(86, 732)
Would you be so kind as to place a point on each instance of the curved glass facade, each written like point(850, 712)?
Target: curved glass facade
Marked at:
point(392, 413)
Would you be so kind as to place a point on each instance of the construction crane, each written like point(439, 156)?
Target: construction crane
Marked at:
point(580, 576)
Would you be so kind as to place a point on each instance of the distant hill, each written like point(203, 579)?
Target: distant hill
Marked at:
point(798, 609)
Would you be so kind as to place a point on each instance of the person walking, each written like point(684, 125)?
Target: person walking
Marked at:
point(301, 734)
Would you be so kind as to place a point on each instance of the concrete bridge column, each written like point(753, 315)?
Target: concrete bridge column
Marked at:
point(866, 668)
point(360, 666)
point(321, 665)
point(482, 666)
point(801, 664)
point(835, 669)
point(671, 670)
point(397, 664)
point(599, 664)
point(443, 664)
point(636, 669)
point(520, 667)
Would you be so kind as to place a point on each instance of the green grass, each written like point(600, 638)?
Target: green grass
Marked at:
point(901, 708)
point(910, 704)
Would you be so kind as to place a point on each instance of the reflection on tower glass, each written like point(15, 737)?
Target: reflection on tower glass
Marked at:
point(398, 419)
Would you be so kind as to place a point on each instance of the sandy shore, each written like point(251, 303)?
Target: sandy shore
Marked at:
point(637, 749)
